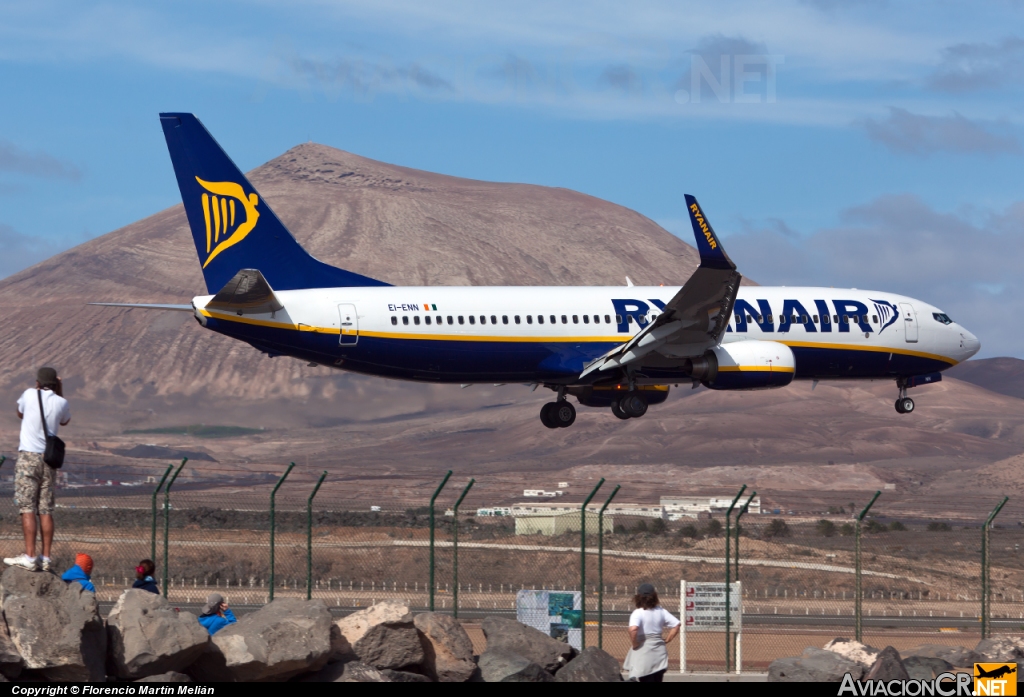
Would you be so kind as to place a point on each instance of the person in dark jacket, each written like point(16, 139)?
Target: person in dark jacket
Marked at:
point(80, 572)
point(216, 615)
point(144, 576)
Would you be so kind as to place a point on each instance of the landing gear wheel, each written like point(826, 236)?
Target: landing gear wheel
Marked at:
point(634, 405)
point(547, 414)
point(563, 414)
point(899, 406)
point(617, 410)
point(905, 405)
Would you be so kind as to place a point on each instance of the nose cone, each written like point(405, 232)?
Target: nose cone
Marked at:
point(969, 344)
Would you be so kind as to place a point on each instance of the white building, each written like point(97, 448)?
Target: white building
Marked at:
point(540, 493)
point(559, 523)
point(627, 509)
point(677, 507)
point(495, 512)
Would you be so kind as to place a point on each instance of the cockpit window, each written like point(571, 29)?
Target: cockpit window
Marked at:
point(942, 317)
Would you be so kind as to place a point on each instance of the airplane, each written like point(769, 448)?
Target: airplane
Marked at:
point(617, 348)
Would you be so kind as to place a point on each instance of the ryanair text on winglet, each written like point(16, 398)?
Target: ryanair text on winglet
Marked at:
point(945, 685)
point(699, 217)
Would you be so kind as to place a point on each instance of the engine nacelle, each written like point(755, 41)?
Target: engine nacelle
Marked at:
point(746, 365)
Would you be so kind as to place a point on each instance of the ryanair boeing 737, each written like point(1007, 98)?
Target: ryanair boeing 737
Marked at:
point(609, 347)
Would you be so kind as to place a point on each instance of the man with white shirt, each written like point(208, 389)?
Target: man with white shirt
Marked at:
point(33, 478)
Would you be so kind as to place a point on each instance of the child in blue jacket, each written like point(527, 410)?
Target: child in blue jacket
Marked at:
point(144, 576)
point(80, 572)
point(216, 615)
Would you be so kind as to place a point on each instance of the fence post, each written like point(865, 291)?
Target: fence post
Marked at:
point(455, 550)
point(152, 537)
point(600, 568)
point(432, 499)
point(858, 591)
point(273, 493)
point(309, 537)
point(743, 509)
point(583, 566)
point(728, 605)
point(986, 588)
point(167, 516)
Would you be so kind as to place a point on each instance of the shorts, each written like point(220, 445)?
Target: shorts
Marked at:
point(33, 484)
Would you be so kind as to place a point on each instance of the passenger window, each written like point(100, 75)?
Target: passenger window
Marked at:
point(483, 319)
point(835, 319)
point(462, 320)
point(472, 319)
point(540, 319)
point(394, 320)
point(750, 318)
point(554, 320)
point(597, 319)
point(629, 319)
point(504, 320)
point(846, 319)
point(815, 319)
point(803, 320)
point(607, 320)
point(771, 318)
point(451, 320)
point(565, 320)
point(516, 318)
point(586, 320)
point(494, 320)
point(416, 320)
point(427, 319)
point(405, 319)
point(529, 319)
point(874, 320)
point(575, 319)
point(759, 319)
point(618, 320)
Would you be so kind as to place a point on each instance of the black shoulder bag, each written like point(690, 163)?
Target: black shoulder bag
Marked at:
point(54, 454)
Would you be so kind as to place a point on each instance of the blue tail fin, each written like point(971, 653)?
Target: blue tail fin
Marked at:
point(232, 225)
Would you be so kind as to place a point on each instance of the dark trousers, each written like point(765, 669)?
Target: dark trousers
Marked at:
point(653, 677)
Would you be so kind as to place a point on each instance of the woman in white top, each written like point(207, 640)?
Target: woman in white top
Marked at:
point(647, 660)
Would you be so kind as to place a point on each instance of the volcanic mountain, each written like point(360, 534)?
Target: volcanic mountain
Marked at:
point(132, 371)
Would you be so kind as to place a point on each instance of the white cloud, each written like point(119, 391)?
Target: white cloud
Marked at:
point(918, 134)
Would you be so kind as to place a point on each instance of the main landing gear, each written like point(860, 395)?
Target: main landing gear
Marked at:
point(558, 414)
point(904, 404)
point(632, 405)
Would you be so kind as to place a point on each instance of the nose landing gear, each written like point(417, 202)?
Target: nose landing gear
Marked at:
point(904, 404)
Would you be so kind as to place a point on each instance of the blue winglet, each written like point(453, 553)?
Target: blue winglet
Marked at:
point(712, 253)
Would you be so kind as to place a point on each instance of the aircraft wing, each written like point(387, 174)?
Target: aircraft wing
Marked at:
point(247, 293)
point(696, 317)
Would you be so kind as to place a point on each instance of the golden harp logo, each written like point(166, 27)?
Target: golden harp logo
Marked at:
point(219, 214)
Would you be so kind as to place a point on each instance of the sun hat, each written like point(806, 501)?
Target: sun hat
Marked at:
point(47, 377)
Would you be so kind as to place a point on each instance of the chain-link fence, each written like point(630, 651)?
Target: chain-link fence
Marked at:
point(921, 559)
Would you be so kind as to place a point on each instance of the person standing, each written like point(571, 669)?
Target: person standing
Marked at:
point(33, 479)
point(144, 576)
point(647, 659)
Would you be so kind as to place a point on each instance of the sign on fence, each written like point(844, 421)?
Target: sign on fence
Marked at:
point(558, 614)
point(703, 609)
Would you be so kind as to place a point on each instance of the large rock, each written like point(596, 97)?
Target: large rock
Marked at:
point(592, 665)
point(509, 635)
point(926, 667)
point(501, 665)
point(349, 671)
point(1001, 649)
point(282, 639)
point(394, 645)
point(55, 626)
point(888, 666)
point(448, 649)
point(815, 665)
point(956, 655)
point(146, 636)
point(165, 677)
point(403, 676)
point(352, 627)
point(853, 650)
point(10, 660)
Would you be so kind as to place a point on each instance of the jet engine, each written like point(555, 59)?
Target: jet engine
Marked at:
point(744, 365)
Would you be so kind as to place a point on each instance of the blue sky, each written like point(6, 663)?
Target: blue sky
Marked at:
point(863, 143)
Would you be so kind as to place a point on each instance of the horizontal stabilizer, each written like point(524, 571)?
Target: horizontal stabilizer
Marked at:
point(247, 293)
point(148, 306)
